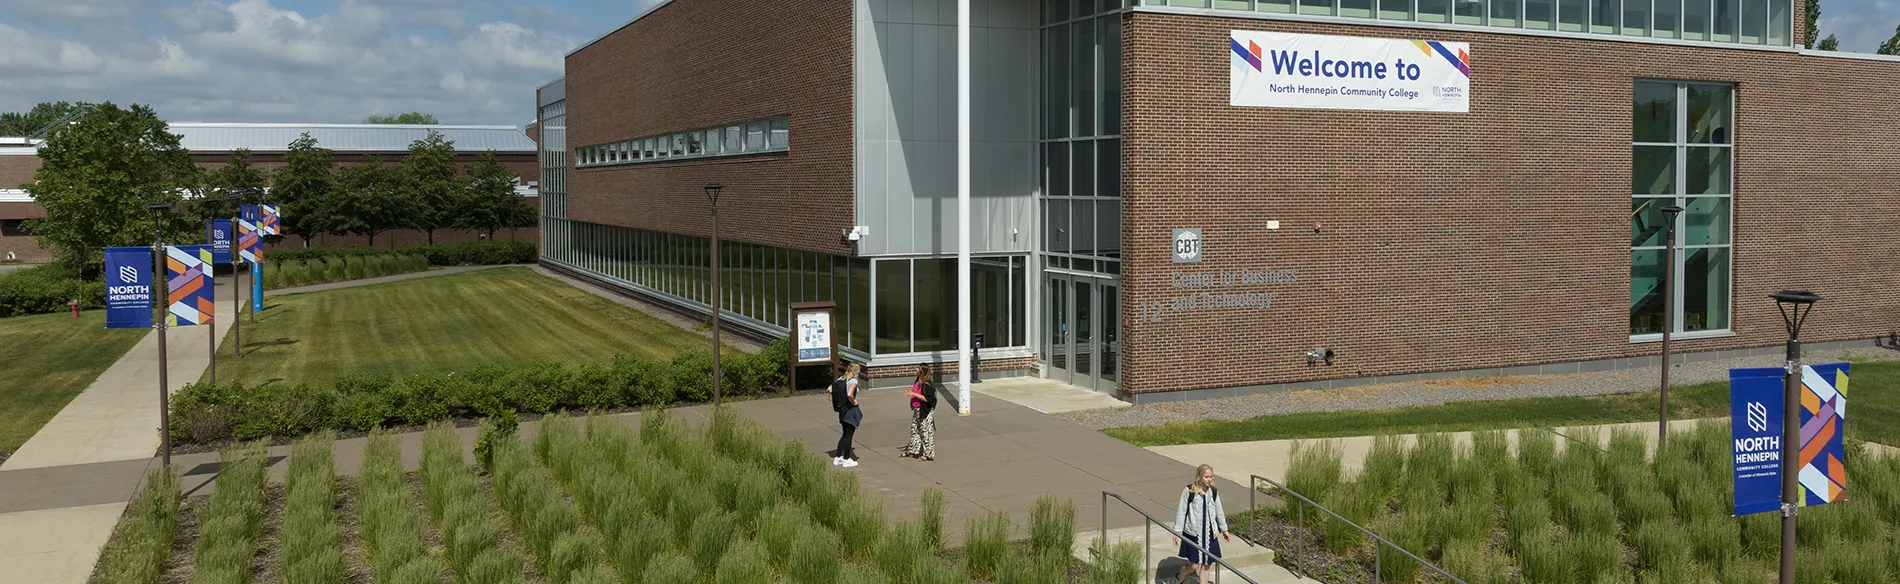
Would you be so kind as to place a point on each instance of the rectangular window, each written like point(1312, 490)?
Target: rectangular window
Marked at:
point(1572, 14)
point(1468, 11)
point(1395, 9)
point(1722, 21)
point(12, 228)
point(1754, 20)
point(1281, 6)
point(1505, 12)
point(1603, 15)
point(693, 147)
point(755, 136)
point(781, 133)
point(1540, 14)
point(1668, 19)
point(934, 304)
point(1683, 157)
point(1636, 17)
point(1317, 7)
point(1434, 10)
point(1780, 29)
point(893, 306)
point(1358, 8)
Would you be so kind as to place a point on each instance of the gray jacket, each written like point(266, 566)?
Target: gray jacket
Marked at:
point(1201, 515)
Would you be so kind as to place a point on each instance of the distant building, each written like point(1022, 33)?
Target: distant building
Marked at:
point(211, 144)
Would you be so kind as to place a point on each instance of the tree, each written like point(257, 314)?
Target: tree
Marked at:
point(304, 185)
point(368, 200)
point(1892, 46)
point(25, 124)
point(97, 174)
point(237, 177)
point(416, 118)
point(432, 182)
point(490, 202)
point(1812, 11)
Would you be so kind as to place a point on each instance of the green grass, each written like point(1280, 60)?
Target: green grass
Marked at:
point(50, 359)
point(503, 316)
point(1874, 393)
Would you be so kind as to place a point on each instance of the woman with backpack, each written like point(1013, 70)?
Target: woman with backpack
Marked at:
point(1199, 517)
point(923, 427)
point(844, 400)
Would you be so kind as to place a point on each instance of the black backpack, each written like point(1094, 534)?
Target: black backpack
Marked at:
point(839, 400)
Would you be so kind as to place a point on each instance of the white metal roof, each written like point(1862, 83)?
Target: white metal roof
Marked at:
point(222, 136)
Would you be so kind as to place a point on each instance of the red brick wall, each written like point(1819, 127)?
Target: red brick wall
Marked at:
point(1494, 238)
point(704, 63)
point(16, 170)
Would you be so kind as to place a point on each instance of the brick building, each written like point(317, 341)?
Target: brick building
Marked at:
point(1138, 232)
point(211, 145)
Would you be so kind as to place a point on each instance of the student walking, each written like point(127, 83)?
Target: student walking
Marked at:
point(1198, 517)
point(844, 400)
point(923, 426)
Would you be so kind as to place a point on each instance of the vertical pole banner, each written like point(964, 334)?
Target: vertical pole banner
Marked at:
point(248, 246)
point(128, 287)
point(188, 277)
point(218, 232)
point(1755, 414)
point(269, 220)
point(1823, 474)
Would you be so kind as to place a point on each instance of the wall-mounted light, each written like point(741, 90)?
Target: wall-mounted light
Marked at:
point(1313, 357)
point(855, 233)
point(1273, 225)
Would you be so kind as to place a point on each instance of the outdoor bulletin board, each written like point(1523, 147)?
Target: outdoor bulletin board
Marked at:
point(814, 338)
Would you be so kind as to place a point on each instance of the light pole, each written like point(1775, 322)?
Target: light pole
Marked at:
point(712, 194)
point(159, 299)
point(1790, 302)
point(1669, 317)
point(237, 281)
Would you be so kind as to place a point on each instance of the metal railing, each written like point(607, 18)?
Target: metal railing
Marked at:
point(1378, 563)
point(1147, 542)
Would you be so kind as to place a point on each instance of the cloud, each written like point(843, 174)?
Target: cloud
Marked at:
point(260, 60)
point(1861, 26)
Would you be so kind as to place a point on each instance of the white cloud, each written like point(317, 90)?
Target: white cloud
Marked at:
point(1861, 27)
point(253, 60)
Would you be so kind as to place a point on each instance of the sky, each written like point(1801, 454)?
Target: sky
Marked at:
point(337, 61)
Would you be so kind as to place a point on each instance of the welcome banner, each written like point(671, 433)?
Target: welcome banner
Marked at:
point(1273, 69)
point(128, 287)
point(188, 282)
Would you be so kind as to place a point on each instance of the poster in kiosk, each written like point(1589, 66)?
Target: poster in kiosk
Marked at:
point(1756, 399)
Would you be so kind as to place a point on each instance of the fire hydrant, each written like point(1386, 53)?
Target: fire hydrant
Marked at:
point(73, 304)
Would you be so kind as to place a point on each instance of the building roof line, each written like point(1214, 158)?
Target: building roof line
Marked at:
point(636, 18)
point(349, 126)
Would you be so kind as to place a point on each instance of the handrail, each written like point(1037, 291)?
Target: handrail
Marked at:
point(1148, 536)
point(1377, 563)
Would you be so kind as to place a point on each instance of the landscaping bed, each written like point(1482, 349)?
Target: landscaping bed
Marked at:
point(588, 501)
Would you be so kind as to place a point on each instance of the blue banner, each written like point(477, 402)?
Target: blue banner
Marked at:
point(249, 213)
point(1755, 416)
point(218, 232)
point(128, 287)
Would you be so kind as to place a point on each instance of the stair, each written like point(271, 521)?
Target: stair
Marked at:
point(1164, 562)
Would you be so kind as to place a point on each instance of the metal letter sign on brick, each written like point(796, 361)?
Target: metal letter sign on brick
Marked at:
point(128, 287)
point(1272, 69)
point(814, 337)
point(1755, 423)
point(1755, 414)
point(1187, 246)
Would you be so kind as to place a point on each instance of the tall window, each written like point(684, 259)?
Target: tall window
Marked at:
point(1683, 154)
point(1081, 136)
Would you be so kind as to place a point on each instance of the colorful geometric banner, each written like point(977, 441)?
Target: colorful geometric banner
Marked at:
point(1755, 416)
point(250, 247)
point(188, 280)
point(1823, 474)
point(218, 232)
point(128, 287)
point(270, 220)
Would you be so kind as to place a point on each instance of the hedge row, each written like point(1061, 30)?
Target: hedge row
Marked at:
point(42, 289)
point(204, 413)
point(291, 273)
point(482, 253)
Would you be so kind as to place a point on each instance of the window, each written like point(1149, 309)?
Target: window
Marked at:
point(781, 133)
point(1682, 154)
point(755, 137)
point(767, 135)
point(12, 227)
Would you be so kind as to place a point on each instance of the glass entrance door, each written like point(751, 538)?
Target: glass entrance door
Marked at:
point(1081, 346)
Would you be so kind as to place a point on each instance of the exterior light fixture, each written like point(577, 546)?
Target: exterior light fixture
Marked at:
point(712, 196)
point(1791, 304)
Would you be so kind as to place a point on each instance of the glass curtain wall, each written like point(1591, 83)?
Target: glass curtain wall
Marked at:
point(1682, 154)
point(759, 282)
point(1081, 135)
point(1750, 22)
point(917, 303)
point(553, 158)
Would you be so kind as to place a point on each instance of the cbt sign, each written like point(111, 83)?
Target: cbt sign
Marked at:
point(1272, 69)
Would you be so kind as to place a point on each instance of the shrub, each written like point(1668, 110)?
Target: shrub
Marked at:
point(312, 538)
point(670, 568)
point(985, 542)
point(814, 556)
point(903, 543)
point(471, 534)
point(642, 381)
point(744, 563)
point(140, 544)
point(1314, 470)
point(44, 289)
point(386, 513)
point(1052, 528)
point(231, 522)
point(1475, 562)
point(1114, 564)
point(861, 525)
point(930, 517)
point(590, 387)
point(536, 388)
point(779, 529)
point(691, 374)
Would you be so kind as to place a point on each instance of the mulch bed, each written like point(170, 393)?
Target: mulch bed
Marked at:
point(1299, 550)
point(178, 564)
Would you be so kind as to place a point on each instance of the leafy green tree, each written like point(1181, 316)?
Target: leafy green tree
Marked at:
point(1812, 12)
point(433, 183)
point(417, 118)
point(1892, 46)
point(490, 201)
point(237, 177)
point(368, 200)
point(96, 176)
point(1829, 44)
point(25, 124)
point(303, 186)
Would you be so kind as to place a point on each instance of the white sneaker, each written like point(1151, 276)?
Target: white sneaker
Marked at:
point(848, 463)
point(837, 461)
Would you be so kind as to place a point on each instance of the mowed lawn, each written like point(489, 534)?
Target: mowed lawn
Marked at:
point(1873, 397)
point(45, 360)
point(502, 316)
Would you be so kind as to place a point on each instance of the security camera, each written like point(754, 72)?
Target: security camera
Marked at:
point(852, 235)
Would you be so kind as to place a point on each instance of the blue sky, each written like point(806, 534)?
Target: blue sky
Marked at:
point(466, 61)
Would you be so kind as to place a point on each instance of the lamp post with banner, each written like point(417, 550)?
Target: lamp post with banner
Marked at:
point(1791, 303)
point(158, 303)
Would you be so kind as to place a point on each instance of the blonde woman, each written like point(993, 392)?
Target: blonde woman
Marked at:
point(1199, 517)
point(923, 426)
point(844, 400)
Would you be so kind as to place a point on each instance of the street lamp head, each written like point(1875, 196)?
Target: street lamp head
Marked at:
point(1790, 302)
point(1670, 209)
point(1795, 297)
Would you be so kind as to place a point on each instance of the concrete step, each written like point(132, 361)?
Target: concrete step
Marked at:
point(1164, 562)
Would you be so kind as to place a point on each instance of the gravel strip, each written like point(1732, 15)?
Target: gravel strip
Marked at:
point(1428, 393)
